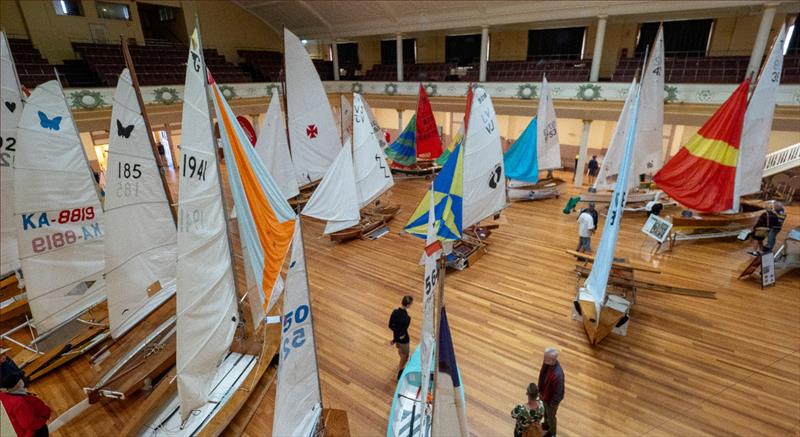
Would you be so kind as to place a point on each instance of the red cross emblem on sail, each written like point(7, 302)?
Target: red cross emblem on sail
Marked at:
point(311, 131)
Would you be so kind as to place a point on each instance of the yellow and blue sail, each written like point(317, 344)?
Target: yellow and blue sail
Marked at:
point(458, 139)
point(266, 221)
point(448, 201)
point(403, 151)
point(520, 161)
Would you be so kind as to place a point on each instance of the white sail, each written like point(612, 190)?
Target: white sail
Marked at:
point(594, 289)
point(141, 240)
point(430, 281)
point(548, 148)
point(758, 124)
point(57, 212)
point(10, 114)
point(484, 185)
point(345, 118)
point(648, 153)
point(297, 396)
point(336, 198)
point(273, 148)
point(206, 299)
point(312, 131)
point(376, 128)
point(372, 173)
point(616, 148)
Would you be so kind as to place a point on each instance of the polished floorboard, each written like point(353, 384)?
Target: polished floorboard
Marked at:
point(688, 366)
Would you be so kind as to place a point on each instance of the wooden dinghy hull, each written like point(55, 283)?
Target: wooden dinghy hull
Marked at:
point(13, 302)
point(605, 196)
point(371, 220)
point(549, 191)
point(722, 222)
point(421, 169)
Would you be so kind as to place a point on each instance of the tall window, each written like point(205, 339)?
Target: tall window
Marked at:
point(389, 51)
point(688, 37)
point(113, 11)
point(67, 7)
point(348, 54)
point(565, 43)
point(462, 50)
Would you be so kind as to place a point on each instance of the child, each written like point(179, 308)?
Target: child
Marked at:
point(529, 416)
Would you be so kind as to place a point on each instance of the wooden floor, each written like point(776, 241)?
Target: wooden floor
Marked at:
point(687, 366)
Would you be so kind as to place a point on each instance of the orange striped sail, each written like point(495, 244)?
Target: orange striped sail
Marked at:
point(702, 174)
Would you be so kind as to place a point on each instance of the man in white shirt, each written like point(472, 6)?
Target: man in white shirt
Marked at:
point(586, 227)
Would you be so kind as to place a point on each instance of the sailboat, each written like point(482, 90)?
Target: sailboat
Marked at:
point(273, 148)
point(13, 302)
point(484, 189)
point(357, 177)
point(601, 311)
point(725, 159)
point(538, 148)
point(416, 149)
point(141, 255)
point(648, 151)
point(59, 219)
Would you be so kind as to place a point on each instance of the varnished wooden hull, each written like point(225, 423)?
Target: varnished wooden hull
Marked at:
point(605, 196)
point(716, 221)
point(371, 219)
point(13, 304)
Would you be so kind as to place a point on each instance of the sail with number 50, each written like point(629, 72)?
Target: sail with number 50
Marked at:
point(58, 213)
point(264, 216)
point(140, 232)
point(206, 295)
point(298, 401)
point(10, 114)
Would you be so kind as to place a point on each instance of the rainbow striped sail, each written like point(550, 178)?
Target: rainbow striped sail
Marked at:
point(266, 221)
point(403, 151)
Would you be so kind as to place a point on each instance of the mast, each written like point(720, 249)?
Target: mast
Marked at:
point(225, 209)
point(438, 325)
point(159, 162)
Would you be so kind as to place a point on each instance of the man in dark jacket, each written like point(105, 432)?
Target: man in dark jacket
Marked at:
point(398, 323)
point(551, 389)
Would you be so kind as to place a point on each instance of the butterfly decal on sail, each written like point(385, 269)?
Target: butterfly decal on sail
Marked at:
point(124, 131)
point(49, 123)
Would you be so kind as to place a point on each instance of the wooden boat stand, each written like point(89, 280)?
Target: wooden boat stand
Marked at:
point(470, 248)
point(13, 301)
point(620, 296)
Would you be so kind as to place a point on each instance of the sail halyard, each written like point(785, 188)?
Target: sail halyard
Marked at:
point(10, 114)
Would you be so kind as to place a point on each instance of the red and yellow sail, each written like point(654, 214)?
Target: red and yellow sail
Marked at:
point(702, 174)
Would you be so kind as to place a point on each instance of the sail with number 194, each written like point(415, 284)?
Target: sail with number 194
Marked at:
point(10, 114)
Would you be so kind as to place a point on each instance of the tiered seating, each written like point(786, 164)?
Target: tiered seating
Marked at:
point(267, 66)
point(690, 69)
point(31, 67)
point(791, 69)
point(411, 72)
point(155, 65)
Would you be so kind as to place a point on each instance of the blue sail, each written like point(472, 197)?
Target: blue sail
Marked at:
point(520, 161)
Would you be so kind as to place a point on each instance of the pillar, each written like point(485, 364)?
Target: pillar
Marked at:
point(399, 121)
point(399, 43)
point(335, 60)
point(484, 52)
point(597, 55)
point(761, 38)
point(582, 149)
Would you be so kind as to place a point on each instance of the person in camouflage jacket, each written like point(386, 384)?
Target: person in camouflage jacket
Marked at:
point(529, 416)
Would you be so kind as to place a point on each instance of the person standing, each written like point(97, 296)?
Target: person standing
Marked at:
point(27, 413)
point(529, 416)
point(551, 389)
point(594, 169)
point(768, 226)
point(398, 323)
point(587, 223)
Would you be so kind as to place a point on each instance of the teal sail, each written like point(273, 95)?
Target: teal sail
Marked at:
point(520, 161)
point(403, 151)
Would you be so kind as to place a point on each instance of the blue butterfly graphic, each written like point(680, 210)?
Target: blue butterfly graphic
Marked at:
point(47, 123)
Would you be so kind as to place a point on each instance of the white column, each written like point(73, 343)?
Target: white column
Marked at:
point(399, 121)
point(484, 52)
point(597, 55)
point(582, 149)
point(761, 38)
point(335, 60)
point(399, 59)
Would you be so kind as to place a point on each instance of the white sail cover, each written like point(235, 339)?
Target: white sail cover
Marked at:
point(548, 148)
point(648, 153)
point(273, 148)
point(312, 130)
point(10, 112)
point(336, 198)
point(345, 118)
point(758, 123)
point(430, 256)
point(484, 185)
point(206, 299)
point(57, 212)
point(372, 173)
point(141, 240)
point(594, 289)
point(297, 395)
point(616, 148)
point(376, 128)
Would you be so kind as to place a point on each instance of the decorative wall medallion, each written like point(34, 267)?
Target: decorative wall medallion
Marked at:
point(797, 97)
point(390, 89)
point(87, 99)
point(166, 95)
point(430, 88)
point(589, 91)
point(356, 88)
point(704, 95)
point(670, 93)
point(526, 91)
point(228, 92)
point(622, 93)
point(273, 89)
